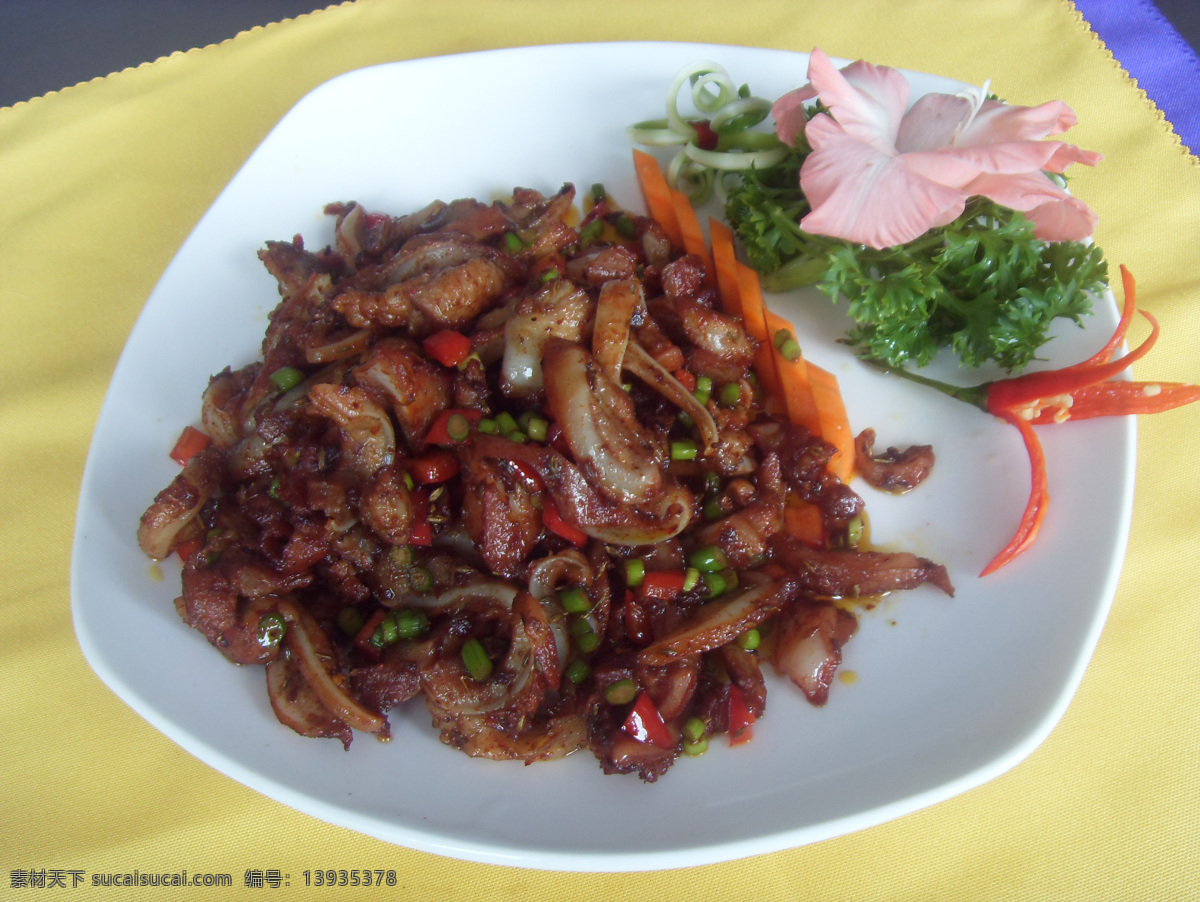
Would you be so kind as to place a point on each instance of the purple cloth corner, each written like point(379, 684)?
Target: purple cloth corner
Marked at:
point(1147, 45)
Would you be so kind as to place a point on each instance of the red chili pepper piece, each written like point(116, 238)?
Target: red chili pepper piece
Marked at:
point(190, 443)
point(741, 719)
point(434, 467)
point(449, 348)
point(185, 550)
point(1039, 497)
point(664, 585)
point(645, 724)
point(439, 430)
point(1110, 399)
point(706, 137)
point(554, 522)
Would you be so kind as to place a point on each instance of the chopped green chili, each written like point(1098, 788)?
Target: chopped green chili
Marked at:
point(749, 640)
point(476, 660)
point(271, 630)
point(286, 377)
point(577, 671)
point(410, 623)
point(684, 450)
point(574, 600)
point(622, 692)
point(350, 621)
point(708, 558)
point(586, 639)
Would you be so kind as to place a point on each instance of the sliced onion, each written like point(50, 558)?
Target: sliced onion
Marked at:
point(639, 362)
point(720, 622)
point(346, 346)
point(310, 650)
point(600, 425)
point(619, 300)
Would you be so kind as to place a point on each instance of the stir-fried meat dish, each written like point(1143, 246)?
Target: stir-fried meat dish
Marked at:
point(514, 460)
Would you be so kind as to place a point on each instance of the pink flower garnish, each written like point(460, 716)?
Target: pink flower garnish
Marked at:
point(881, 176)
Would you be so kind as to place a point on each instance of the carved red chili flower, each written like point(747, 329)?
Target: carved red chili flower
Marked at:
point(1077, 392)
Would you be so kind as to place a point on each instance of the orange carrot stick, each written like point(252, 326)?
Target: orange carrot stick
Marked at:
point(725, 263)
point(689, 226)
point(804, 522)
point(835, 425)
point(794, 385)
point(657, 194)
point(755, 321)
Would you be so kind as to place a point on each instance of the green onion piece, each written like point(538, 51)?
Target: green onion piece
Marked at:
point(386, 633)
point(591, 232)
point(704, 383)
point(854, 531)
point(549, 275)
point(401, 555)
point(458, 427)
point(350, 621)
point(476, 660)
point(577, 671)
point(586, 639)
point(635, 572)
point(731, 579)
point(712, 482)
point(599, 192)
point(421, 580)
point(622, 692)
point(684, 450)
point(273, 488)
point(714, 509)
point(695, 748)
point(714, 584)
point(749, 640)
point(695, 729)
point(702, 394)
point(286, 377)
point(780, 336)
point(271, 630)
point(537, 429)
point(691, 576)
point(513, 243)
point(708, 559)
point(685, 419)
point(731, 394)
point(790, 350)
point(505, 421)
point(408, 480)
point(574, 601)
point(517, 436)
point(625, 227)
point(487, 426)
point(410, 624)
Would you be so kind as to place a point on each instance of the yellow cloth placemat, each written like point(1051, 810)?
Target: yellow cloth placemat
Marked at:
point(101, 183)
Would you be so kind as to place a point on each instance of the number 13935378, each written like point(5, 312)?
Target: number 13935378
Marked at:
point(352, 877)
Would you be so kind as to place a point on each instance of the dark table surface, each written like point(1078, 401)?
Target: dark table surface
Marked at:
point(46, 45)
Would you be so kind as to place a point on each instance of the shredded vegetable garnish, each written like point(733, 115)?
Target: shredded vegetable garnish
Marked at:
point(722, 139)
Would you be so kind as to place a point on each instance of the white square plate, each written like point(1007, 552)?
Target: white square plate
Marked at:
point(950, 692)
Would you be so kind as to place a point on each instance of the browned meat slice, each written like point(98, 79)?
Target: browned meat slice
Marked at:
point(808, 645)
point(894, 470)
point(856, 574)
